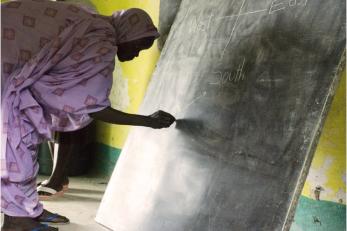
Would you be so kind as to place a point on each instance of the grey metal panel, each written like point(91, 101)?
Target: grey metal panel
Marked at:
point(250, 82)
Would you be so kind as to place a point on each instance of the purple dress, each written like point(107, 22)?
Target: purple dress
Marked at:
point(57, 64)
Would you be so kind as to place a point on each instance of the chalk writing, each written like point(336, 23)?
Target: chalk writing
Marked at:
point(239, 73)
point(253, 12)
point(192, 102)
point(277, 5)
point(233, 77)
point(297, 2)
point(205, 24)
point(232, 31)
point(201, 25)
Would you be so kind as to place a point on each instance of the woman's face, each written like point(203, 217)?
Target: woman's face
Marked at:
point(129, 50)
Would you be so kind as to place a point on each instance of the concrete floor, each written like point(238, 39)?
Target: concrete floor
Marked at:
point(79, 203)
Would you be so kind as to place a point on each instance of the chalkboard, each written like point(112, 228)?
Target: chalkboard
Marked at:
point(250, 82)
point(167, 14)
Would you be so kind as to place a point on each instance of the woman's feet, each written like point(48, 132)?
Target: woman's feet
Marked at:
point(51, 188)
point(53, 182)
point(52, 218)
point(24, 224)
point(49, 193)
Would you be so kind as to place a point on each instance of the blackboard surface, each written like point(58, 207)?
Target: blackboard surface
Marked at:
point(167, 14)
point(250, 82)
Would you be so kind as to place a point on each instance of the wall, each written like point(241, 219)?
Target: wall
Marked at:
point(322, 206)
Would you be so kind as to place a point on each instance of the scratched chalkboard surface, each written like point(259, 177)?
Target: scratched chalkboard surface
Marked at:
point(250, 82)
point(167, 14)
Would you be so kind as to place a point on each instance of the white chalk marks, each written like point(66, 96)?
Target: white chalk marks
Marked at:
point(196, 99)
point(223, 77)
point(204, 24)
point(233, 30)
point(277, 5)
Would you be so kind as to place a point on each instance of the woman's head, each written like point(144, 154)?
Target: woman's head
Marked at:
point(129, 50)
point(135, 31)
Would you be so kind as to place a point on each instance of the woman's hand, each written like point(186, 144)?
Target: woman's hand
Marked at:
point(160, 119)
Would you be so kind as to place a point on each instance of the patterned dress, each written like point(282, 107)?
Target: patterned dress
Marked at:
point(57, 64)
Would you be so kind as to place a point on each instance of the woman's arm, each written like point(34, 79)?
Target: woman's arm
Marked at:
point(159, 119)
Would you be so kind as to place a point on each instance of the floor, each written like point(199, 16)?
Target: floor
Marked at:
point(79, 203)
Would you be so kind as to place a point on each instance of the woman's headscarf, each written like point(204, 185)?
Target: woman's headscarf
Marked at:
point(133, 24)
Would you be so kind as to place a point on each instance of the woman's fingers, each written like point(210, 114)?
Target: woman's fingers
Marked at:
point(162, 119)
point(166, 116)
point(164, 123)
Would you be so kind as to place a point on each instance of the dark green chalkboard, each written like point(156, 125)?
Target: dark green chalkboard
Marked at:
point(167, 14)
point(250, 82)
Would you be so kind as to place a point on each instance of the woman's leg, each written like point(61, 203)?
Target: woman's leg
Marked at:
point(19, 199)
point(61, 151)
point(65, 145)
point(56, 169)
point(23, 223)
point(12, 223)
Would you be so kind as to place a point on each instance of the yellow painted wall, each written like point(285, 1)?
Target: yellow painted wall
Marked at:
point(135, 74)
point(328, 168)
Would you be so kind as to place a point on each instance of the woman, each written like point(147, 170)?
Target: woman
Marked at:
point(57, 64)
point(66, 144)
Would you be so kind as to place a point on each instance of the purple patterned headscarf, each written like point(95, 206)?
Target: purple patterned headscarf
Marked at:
point(133, 24)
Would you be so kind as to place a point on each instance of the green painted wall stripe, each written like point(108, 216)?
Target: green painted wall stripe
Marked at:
point(313, 215)
point(105, 159)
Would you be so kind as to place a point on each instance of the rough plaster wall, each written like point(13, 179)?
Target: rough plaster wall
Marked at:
point(119, 93)
point(327, 175)
point(322, 206)
point(85, 3)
